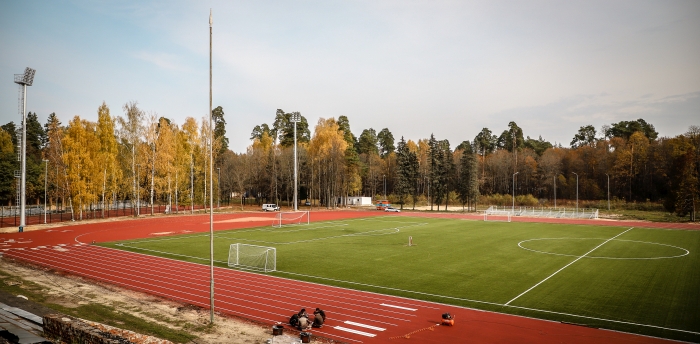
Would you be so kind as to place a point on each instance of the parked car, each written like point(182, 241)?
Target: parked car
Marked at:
point(307, 203)
point(392, 209)
point(270, 207)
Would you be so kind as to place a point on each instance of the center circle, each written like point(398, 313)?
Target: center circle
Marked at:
point(623, 249)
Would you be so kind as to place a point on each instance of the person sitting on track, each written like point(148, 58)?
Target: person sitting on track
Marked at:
point(304, 324)
point(319, 318)
point(294, 320)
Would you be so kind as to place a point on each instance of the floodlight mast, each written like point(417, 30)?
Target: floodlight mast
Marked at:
point(24, 80)
point(211, 188)
point(296, 117)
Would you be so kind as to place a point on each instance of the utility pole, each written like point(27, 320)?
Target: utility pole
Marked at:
point(211, 189)
point(24, 80)
point(296, 117)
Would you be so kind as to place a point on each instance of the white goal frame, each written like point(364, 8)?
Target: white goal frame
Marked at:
point(252, 257)
point(284, 218)
point(497, 217)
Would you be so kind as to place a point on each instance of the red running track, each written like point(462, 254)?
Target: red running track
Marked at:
point(353, 316)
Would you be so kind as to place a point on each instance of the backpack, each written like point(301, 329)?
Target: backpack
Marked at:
point(446, 316)
point(294, 320)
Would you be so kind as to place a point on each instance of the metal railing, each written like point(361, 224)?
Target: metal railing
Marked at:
point(10, 215)
point(571, 213)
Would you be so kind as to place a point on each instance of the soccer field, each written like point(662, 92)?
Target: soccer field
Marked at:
point(637, 280)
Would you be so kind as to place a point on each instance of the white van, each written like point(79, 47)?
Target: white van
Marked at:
point(270, 207)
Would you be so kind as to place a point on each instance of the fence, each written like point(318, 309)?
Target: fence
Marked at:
point(573, 213)
point(10, 215)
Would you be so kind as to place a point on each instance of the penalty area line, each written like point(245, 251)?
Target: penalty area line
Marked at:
point(567, 265)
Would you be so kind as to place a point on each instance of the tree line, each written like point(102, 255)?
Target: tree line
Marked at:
point(142, 156)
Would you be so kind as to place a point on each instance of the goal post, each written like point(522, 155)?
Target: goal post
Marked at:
point(284, 218)
point(252, 257)
point(505, 217)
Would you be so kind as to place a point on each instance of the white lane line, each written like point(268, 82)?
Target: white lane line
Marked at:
point(354, 331)
point(399, 307)
point(365, 326)
point(567, 265)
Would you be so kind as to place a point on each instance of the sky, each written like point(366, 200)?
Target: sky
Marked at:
point(448, 68)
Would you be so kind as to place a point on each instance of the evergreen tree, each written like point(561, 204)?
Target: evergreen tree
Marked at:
point(367, 143)
point(468, 185)
point(219, 129)
point(386, 142)
point(404, 175)
point(434, 160)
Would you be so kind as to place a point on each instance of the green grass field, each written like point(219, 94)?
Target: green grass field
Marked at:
point(644, 281)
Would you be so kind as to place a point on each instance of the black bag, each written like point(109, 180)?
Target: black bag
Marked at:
point(294, 320)
point(447, 316)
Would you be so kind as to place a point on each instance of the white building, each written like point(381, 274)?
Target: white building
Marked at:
point(359, 201)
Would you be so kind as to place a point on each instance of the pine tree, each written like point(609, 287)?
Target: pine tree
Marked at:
point(404, 174)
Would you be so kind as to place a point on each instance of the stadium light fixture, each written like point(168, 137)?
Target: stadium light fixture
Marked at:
point(576, 191)
point(513, 210)
point(295, 118)
point(24, 80)
point(211, 188)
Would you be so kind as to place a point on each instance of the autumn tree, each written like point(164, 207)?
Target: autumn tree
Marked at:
point(327, 148)
point(107, 156)
point(130, 132)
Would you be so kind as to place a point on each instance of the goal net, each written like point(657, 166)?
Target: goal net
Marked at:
point(291, 218)
point(505, 217)
point(252, 257)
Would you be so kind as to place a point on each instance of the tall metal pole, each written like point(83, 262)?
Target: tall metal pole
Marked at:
point(211, 189)
point(23, 177)
point(138, 192)
point(555, 191)
point(384, 179)
point(218, 188)
point(576, 191)
point(296, 117)
point(608, 191)
point(513, 210)
point(46, 174)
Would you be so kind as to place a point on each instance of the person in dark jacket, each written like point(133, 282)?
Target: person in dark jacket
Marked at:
point(319, 318)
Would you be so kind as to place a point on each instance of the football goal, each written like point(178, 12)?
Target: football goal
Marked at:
point(504, 217)
point(291, 218)
point(252, 257)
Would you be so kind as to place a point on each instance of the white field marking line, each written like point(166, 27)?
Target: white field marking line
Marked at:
point(102, 278)
point(354, 331)
point(399, 307)
point(567, 265)
point(455, 298)
point(428, 294)
point(118, 262)
point(493, 304)
point(171, 254)
point(606, 320)
point(237, 281)
point(251, 296)
point(200, 273)
point(364, 325)
point(156, 291)
point(367, 233)
point(638, 258)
